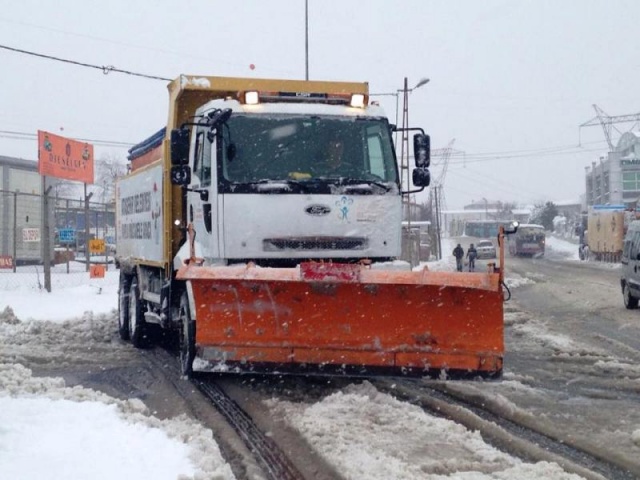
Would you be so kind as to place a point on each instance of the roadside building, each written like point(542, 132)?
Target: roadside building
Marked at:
point(615, 178)
point(454, 221)
point(20, 211)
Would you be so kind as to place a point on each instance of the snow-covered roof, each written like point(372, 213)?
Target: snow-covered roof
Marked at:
point(566, 203)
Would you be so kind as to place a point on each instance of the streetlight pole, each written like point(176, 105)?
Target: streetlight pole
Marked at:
point(404, 146)
point(404, 149)
point(306, 39)
point(396, 94)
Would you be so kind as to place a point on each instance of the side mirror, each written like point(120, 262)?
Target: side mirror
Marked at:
point(179, 146)
point(422, 150)
point(181, 175)
point(513, 228)
point(421, 177)
point(218, 116)
point(638, 256)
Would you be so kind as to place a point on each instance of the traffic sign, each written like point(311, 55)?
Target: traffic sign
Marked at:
point(96, 271)
point(96, 245)
point(67, 235)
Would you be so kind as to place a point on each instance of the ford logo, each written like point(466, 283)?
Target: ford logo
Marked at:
point(317, 210)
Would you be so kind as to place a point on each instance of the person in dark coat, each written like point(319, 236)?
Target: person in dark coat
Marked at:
point(472, 254)
point(458, 252)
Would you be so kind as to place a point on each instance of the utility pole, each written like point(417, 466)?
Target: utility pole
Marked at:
point(86, 226)
point(404, 168)
point(45, 237)
point(15, 230)
point(436, 195)
point(306, 39)
point(404, 143)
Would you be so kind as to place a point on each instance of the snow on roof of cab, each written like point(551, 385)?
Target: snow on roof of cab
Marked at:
point(295, 108)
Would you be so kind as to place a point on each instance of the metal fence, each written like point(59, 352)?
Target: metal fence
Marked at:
point(65, 235)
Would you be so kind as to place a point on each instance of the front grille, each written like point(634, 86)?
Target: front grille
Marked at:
point(314, 243)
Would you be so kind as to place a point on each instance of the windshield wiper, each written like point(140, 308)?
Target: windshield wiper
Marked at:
point(351, 181)
point(307, 184)
point(275, 185)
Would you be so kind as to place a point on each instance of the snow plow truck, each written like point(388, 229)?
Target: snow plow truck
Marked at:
point(262, 226)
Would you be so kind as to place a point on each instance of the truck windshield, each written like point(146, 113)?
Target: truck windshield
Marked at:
point(288, 148)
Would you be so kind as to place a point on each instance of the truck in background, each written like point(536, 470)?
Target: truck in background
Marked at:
point(606, 228)
point(261, 227)
point(529, 240)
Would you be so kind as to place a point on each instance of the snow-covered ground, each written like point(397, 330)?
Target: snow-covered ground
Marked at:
point(48, 430)
point(52, 431)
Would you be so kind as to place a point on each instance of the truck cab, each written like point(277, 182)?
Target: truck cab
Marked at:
point(276, 182)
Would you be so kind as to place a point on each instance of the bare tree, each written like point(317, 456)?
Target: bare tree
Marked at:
point(63, 188)
point(108, 168)
point(505, 210)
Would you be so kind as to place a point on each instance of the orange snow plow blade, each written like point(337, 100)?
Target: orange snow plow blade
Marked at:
point(347, 319)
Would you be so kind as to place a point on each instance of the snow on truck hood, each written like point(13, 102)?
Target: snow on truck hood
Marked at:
point(372, 111)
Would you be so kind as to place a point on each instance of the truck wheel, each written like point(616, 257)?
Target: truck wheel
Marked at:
point(123, 307)
point(630, 301)
point(136, 316)
point(187, 337)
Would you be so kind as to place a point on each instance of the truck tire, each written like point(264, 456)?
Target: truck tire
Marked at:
point(137, 324)
point(630, 301)
point(123, 306)
point(187, 337)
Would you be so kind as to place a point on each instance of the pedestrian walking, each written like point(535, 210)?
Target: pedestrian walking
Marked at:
point(458, 252)
point(472, 254)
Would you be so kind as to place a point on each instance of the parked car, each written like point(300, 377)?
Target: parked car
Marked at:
point(630, 273)
point(486, 249)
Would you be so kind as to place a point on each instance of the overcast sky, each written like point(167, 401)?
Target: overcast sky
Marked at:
point(510, 81)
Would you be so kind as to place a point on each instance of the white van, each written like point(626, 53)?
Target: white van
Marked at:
point(630, 280)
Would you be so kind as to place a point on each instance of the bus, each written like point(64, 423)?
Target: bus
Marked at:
point(529, 240)
point(484, 228)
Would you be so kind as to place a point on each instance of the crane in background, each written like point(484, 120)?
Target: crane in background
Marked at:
point(606, 122)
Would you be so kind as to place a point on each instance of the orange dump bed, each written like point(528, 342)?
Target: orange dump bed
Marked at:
point(346, 318)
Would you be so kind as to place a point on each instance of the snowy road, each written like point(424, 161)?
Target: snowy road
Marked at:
point(571, 368)
point(573, 353)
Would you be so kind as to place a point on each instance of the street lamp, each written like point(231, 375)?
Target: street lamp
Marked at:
point(423, 81)
point(405, 142)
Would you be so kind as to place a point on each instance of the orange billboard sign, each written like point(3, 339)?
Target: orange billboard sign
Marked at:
point(62, 157)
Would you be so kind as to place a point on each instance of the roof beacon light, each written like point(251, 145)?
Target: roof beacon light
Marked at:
point(357, 100)
point(251, 98)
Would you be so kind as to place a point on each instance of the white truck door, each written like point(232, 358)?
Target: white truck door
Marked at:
point(201, 197)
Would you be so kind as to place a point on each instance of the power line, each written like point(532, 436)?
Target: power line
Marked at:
point(506, 187)
point(462, 157)
point(532, 151)
point(106, 69)
point(174, 53)
point(477, 159)
point(32, 136)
